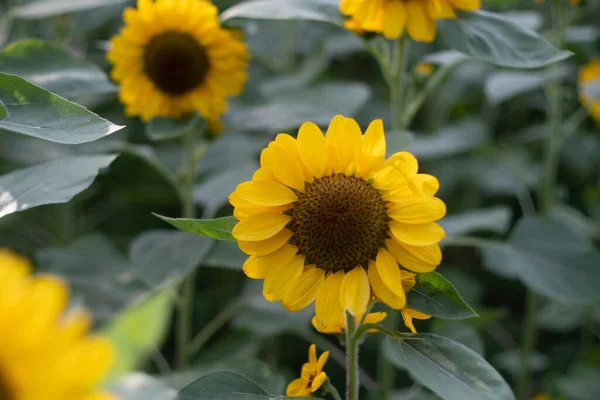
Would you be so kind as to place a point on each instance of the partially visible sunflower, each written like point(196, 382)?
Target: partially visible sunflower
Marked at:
point(172, 58)
point(391, 17)
point(45, 354)
point(590, 74)
point(312, 376)
point(328, 218)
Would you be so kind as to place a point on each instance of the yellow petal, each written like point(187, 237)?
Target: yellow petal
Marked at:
point(256, 267)
point(416, 209)
point(312, 148)
point(394, 19)
point(382, 292)
point(285, 166)
point(408, 321)
point(408, 260)
point(355, 292)
point(312, 354)
point(419, 24)
point(428, 184)
point(318, 382)
point(298, 387)
point(408, 281)
point(439, 9)
point(260, 227)
point(374, 318)
point(345, 141)
point(467, 5)
point(408, 314)
point(399, 168)
point(265, 193)
point(319, 326)
point(266, 246)
point(278, 278)
point(328, 308)
point(417, 235)
point(373, 150)
point(304, 290)
point(322, 360)
point(389, 272)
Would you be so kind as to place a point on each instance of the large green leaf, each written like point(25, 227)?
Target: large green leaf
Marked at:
point(460, 332)
point(60, 72)
point(139, 386)
point(49, 8)
point(54, 182)
point(306, 10)
point(227, 255)
point(139, 330)
point(491, 38)
point(227, 385)
point(158, 259)
point(435, 296)
point(219, 228)
point(449, 369)
point(553, 258)
point(3, 111)
point(37, 112)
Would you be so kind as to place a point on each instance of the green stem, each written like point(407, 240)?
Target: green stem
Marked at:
point(352, 378)
point(188, 210)
point(397, 82)
point(385, 370)
point(527, 343)
point(332, 391)
point(213, 327)
point(529, 335)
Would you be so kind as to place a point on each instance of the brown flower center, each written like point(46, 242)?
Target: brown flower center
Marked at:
point(339, 222)
point(175, 62)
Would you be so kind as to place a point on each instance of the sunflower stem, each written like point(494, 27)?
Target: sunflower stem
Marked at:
point(554, 96)
point(188, 210)
point(396, 82)
point(332, 391)
point(352, 377)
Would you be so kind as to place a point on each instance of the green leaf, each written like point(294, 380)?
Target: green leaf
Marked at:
point(461, 333)
point(54, 182)
point(37, 112)
point(138, 331)
point(139, 386)
point(489, 37)
point(169, 128)
point(435, 296)
point(50, 8)
point(555, 259)
point(305, 10)
point(558, 317)
point(225, 255)
point(219, 228)
point(494, 219)
point(60, 72)
point(510, 361)
point(504, 85)
point(449, 369)
point(3, 111)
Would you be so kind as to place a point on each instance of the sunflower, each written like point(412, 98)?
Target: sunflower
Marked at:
point(390, 17)
point(45, 354)
point(328, 218)
point(590, 75)
point(172, 58)
point(312, 376)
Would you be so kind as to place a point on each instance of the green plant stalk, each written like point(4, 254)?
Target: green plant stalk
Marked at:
point(213, 326)
point(396, 82)
point(352, 377)
point(332, 390)
point(188, 210)
point(528, 340)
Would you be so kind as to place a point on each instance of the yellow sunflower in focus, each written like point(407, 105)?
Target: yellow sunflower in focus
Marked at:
point(312, 376)
point(328, 218)
point(391, 17)
point(590, 75)
point(172, 58)
point(45, 354)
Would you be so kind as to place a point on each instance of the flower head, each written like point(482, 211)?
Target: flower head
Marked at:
point(328, 218)
point(172, 58)
point(44, 353)
point(391, 17)
point(589, 77)
point(312, 376)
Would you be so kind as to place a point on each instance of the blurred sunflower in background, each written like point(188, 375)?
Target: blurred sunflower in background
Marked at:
point(172, 58)
point(328, 218)
point(589, 81)
point(312, 376)
point(45, 354)
point(391, 17)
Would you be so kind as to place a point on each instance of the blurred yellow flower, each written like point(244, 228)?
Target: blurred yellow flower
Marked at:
point(172, 58)
point(312, 376)
point(391, 17)
point(327, 218)
point(544, 396)
point(424, 69)
point(45, 354)
point(587, 74)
